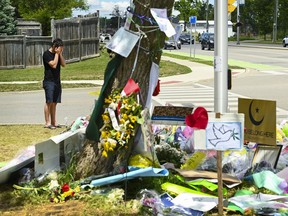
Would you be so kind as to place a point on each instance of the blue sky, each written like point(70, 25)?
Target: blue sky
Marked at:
point(105, 7)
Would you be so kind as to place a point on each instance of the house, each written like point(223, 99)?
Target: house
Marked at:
point(201, 27)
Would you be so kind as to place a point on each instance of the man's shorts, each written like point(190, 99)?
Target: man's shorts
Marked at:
point(53, 92)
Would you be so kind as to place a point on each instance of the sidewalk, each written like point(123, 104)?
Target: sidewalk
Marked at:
point(199, 71)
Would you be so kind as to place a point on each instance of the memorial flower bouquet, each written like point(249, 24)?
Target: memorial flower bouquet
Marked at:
point(121, 116)
point(62, 193)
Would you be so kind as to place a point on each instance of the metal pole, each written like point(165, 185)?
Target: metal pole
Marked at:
point(194, 39)
point(118, 21)
point(221, 56)
point(190, 38)
point(220, 78)
point(207, 8)
point(275, 22)
point(238, 21)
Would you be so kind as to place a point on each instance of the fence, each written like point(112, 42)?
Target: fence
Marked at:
point(80, 37)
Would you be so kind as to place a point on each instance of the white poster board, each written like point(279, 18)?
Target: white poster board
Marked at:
point(224, 133)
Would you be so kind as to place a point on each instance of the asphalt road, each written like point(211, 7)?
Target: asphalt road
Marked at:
point(28, 106)
point(267, 77)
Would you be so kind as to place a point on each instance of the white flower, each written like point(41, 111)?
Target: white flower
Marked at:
point(113, 106)
point(53, 184)
point(52, 176)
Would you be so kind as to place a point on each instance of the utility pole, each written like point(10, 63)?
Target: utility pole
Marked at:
point(238, 21)
point(220, 78)
point(274, 40)
point(207, 8)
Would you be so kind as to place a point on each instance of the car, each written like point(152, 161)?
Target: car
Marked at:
point(185, 38)
point(207, 41)
point(172, 44)
point(104, 37)
point(285, 41)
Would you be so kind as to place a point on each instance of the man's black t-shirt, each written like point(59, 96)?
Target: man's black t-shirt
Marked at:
point(51, 74)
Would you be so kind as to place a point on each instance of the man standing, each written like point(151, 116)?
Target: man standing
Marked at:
point(53, 60)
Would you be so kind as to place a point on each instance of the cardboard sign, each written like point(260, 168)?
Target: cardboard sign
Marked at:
point(260, 120)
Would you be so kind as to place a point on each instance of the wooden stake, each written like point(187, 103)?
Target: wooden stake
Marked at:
point(220, 179)
point(220, 183)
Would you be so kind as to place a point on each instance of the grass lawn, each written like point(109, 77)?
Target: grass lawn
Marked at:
point(91, 69)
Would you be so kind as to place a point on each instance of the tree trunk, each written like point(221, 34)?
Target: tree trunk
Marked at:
point(90, 160)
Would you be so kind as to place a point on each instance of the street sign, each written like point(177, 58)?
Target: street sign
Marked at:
point(193, 19)
point(231, 6)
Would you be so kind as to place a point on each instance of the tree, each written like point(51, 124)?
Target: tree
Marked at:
point(282, 18)
point(186, 8)
point(43, 11)
point(202, 11)
point(264, 10)
point(7, 20)
point(90, 160)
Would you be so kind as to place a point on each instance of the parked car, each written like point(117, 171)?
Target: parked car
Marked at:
point(172, 44)
point(207, 41)
point(285, 41)
point(185, 38)
point(104, 37)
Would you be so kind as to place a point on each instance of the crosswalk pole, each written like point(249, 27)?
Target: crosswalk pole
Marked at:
point(220, 78)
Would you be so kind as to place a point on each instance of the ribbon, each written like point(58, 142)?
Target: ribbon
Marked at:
point(142, 17)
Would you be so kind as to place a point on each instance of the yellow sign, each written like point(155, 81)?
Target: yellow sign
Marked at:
point(231, 7)
point(260, 120)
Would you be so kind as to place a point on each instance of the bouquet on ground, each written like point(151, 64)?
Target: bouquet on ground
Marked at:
point(120, 119)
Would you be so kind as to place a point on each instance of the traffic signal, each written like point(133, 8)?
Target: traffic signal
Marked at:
point(238, 24)
point(231, 7)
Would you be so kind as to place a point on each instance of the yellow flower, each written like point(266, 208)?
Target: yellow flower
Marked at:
point(104, 154)
point(118, 135)
point(113, 145)
point(77, 189)
point(106, 146)
point(67, 194)
point(128, 107)
point(130, 126)
point(104, 134)
point(133, 119)
point(121, 121)
point(108, 100)
point(105, 118)
point(125, 116)
point(118, 96)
